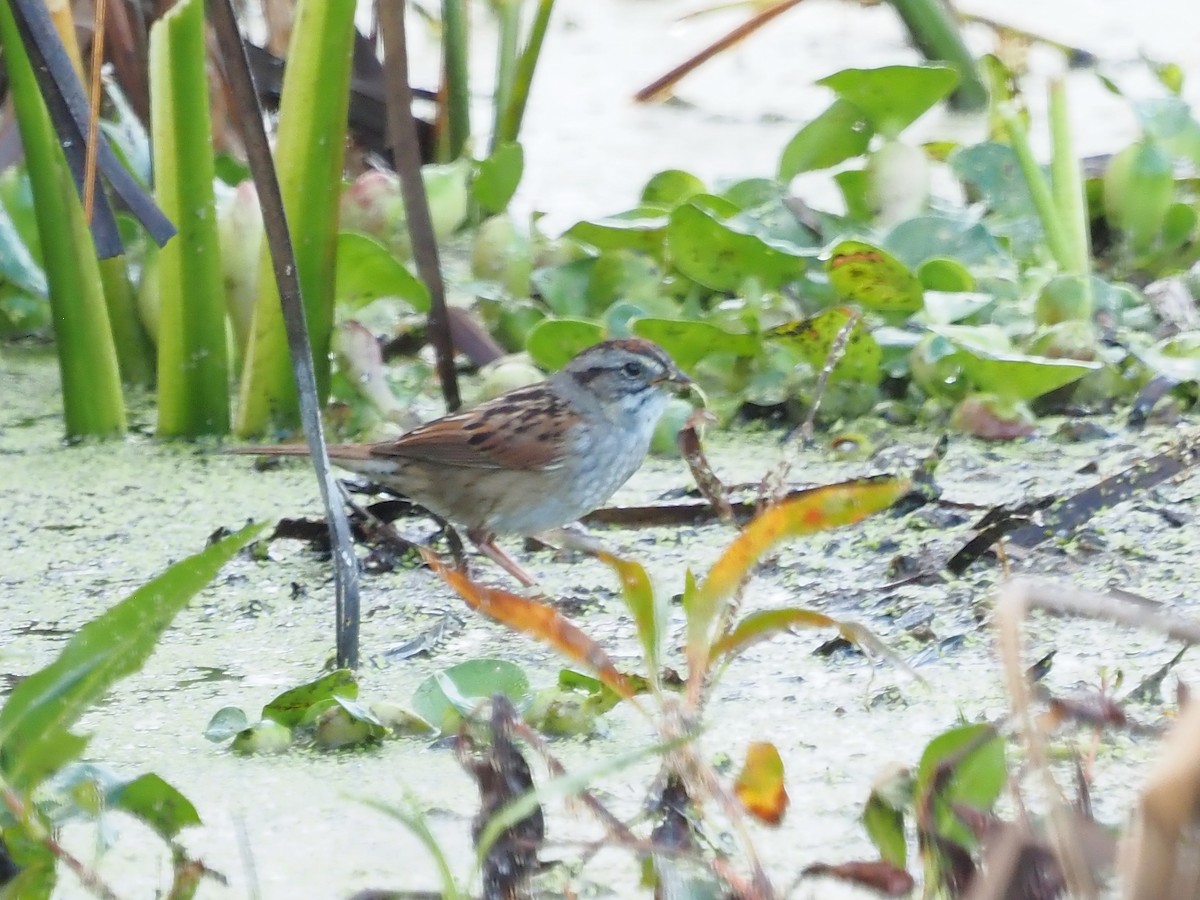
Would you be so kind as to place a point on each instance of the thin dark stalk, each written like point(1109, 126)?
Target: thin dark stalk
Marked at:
point(662, 86)
point(402, 130)
point(249, 118)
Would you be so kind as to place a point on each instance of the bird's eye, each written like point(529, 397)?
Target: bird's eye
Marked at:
point(632, 368)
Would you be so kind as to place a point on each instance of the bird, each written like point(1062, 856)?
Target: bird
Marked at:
point(532, 459)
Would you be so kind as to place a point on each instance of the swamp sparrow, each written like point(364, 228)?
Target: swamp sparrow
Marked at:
point(531, 459)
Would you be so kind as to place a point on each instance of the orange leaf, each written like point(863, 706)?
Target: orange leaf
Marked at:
point(538, 620)
point(817, 510)
point(760, 784)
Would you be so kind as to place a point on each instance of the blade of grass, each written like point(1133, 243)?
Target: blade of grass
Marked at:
point(35, 720)
point(279, 241)
point(1051, 217)
point(91, 382)
point(508, 129)
point(1067, 182)
point(135, 350)
point(193, 371)
point(416, 822)
point(456, 77)
point(309, 148)
point(508, 13)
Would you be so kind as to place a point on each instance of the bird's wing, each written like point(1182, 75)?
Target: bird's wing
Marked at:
point(524, 429)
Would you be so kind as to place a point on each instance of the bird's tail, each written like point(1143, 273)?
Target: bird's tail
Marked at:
point(271, 450)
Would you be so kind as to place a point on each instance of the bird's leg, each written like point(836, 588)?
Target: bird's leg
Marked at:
point(487, 546)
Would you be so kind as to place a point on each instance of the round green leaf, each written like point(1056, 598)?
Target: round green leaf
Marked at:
point(444, 697)
point(813, 338)
point(552, 342)
point(641, 229)
point(670, 188)
point(892, 97)
point(915, 241)
point(864, 274)
point(689, 341)
point(721, 256)
point(290, 707)
point(1010, 374)
point(946, 275)
point(367, 271)
point(836, 135)
point(992, 175)
point(565, 288)
point(225, 723)
point(625, 275)
point(498, 177)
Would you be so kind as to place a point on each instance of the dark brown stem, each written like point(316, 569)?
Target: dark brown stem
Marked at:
point(663, 85)
point(249, 118)
point(406, 155)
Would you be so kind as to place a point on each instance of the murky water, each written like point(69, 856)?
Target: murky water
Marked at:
point(86, 525)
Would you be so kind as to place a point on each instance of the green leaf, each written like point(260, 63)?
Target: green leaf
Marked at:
point(38, 875)
point(689, 341)
point(670, 188)
point(917, 241)
point(265, 737)
point(723, 255)
point(992, 171)
point(838, 134)
point(45, 705)
point(415, 821)
point(648, 608)
point(225, 723)
point(893, 97)
point(90, 375)
point(625, 275)
point(885, 827)
point(973, 758)
point(498, 177)
point(347, 723)
point(1007, 373)
point(290, 706)
point(813, 338)
point(1177, 357)
point(871, 277)
point(367, 270)
point(764, 624)
point(640, 229)
point(565, 288)
point(17, 265)
point(945, 276)
point(444, 697)
point(553, 342)
point(1169, 121)
point(156, 803)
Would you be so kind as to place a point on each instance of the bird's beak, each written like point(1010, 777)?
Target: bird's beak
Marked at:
point(674, 376)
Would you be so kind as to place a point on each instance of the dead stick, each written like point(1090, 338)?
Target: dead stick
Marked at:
point(663, 85)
